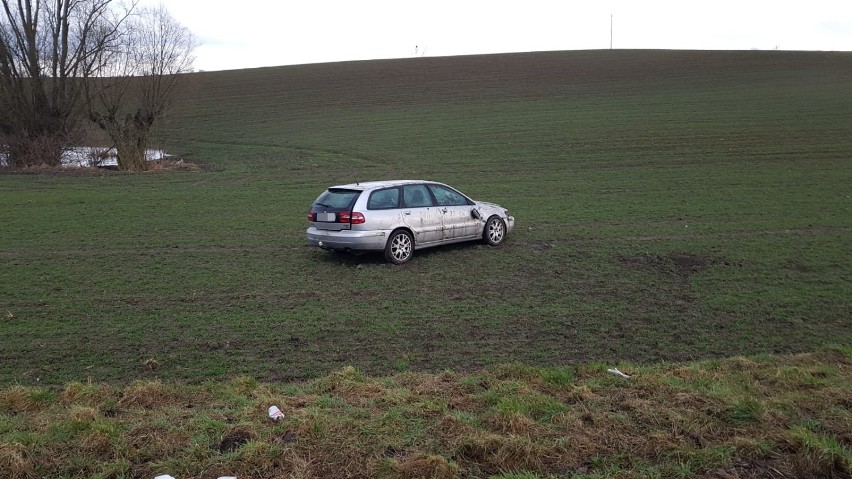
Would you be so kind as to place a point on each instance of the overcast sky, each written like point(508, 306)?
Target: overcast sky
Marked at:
point(257, 33)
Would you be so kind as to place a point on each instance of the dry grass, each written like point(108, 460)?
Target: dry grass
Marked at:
point(14, 462)
point(152, 394)
point(173, 164)
point(742, 417)
point(427, 466)
point(17, 399)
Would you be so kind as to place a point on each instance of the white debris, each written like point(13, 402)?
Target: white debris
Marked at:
point(275, 413)
point(616, 372)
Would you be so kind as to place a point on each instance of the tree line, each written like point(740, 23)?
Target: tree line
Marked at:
point(65, 64)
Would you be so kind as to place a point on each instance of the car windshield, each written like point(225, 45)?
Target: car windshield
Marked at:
point(337, 199)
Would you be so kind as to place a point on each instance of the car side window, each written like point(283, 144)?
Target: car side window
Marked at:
point(416, 196)
point(384, 199)
point(447, 196)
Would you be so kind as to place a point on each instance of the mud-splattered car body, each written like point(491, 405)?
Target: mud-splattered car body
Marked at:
point(400, 216)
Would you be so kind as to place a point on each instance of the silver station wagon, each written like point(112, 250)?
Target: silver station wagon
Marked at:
point(400, 216)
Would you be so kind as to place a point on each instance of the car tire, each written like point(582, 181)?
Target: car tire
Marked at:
point(495, 231)
point(400, 247)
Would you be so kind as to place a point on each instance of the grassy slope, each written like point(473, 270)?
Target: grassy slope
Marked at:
point(734, 418)
point(670, 205)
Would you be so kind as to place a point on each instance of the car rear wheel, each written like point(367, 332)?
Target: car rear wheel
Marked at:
point(400, 247)
point(495, 231)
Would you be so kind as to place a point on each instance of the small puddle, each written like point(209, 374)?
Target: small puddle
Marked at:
point(93, 156)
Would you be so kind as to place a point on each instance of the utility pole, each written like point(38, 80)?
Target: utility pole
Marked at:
point(610, 31)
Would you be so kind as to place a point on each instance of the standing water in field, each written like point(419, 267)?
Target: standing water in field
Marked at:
point(93, 156)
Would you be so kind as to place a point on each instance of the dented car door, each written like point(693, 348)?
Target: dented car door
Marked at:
point(459, 222)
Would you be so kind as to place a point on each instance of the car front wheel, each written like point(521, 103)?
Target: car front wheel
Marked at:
point(400, 247)
point(495, 231)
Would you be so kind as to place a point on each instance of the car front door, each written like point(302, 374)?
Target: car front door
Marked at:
point(459, 222)
point(421, 215)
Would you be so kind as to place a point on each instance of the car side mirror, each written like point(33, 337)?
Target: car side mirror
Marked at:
point(475, 213)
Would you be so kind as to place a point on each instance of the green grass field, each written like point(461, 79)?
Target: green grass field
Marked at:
point(676, 211)
point(670, 206)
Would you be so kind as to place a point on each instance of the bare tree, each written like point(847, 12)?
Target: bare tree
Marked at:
point(106, 58)
point(143, 74)
point(46, 48)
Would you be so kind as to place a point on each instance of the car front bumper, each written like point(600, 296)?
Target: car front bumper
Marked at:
point(347, 239)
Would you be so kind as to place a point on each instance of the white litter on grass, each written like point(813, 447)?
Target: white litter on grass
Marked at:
point(89, 156)
point(616, 372)
point(275, 413)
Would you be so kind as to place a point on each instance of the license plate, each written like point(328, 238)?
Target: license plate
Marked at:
point(327, 217)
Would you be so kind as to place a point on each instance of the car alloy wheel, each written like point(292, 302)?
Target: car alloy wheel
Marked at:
point(495, 231)
point(400, 247)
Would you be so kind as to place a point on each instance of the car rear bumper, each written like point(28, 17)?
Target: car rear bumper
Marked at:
point(347, 239)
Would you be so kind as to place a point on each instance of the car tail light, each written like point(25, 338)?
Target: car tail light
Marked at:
point(354, 218)
point(310, 215)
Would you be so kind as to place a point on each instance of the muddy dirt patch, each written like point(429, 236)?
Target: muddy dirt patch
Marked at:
point(681, 264)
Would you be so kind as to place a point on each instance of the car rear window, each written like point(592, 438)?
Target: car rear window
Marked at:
point(384, 199)
point(337, 199)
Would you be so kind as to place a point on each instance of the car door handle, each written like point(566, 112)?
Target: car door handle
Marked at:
point(444, 210)
point(406, 212)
